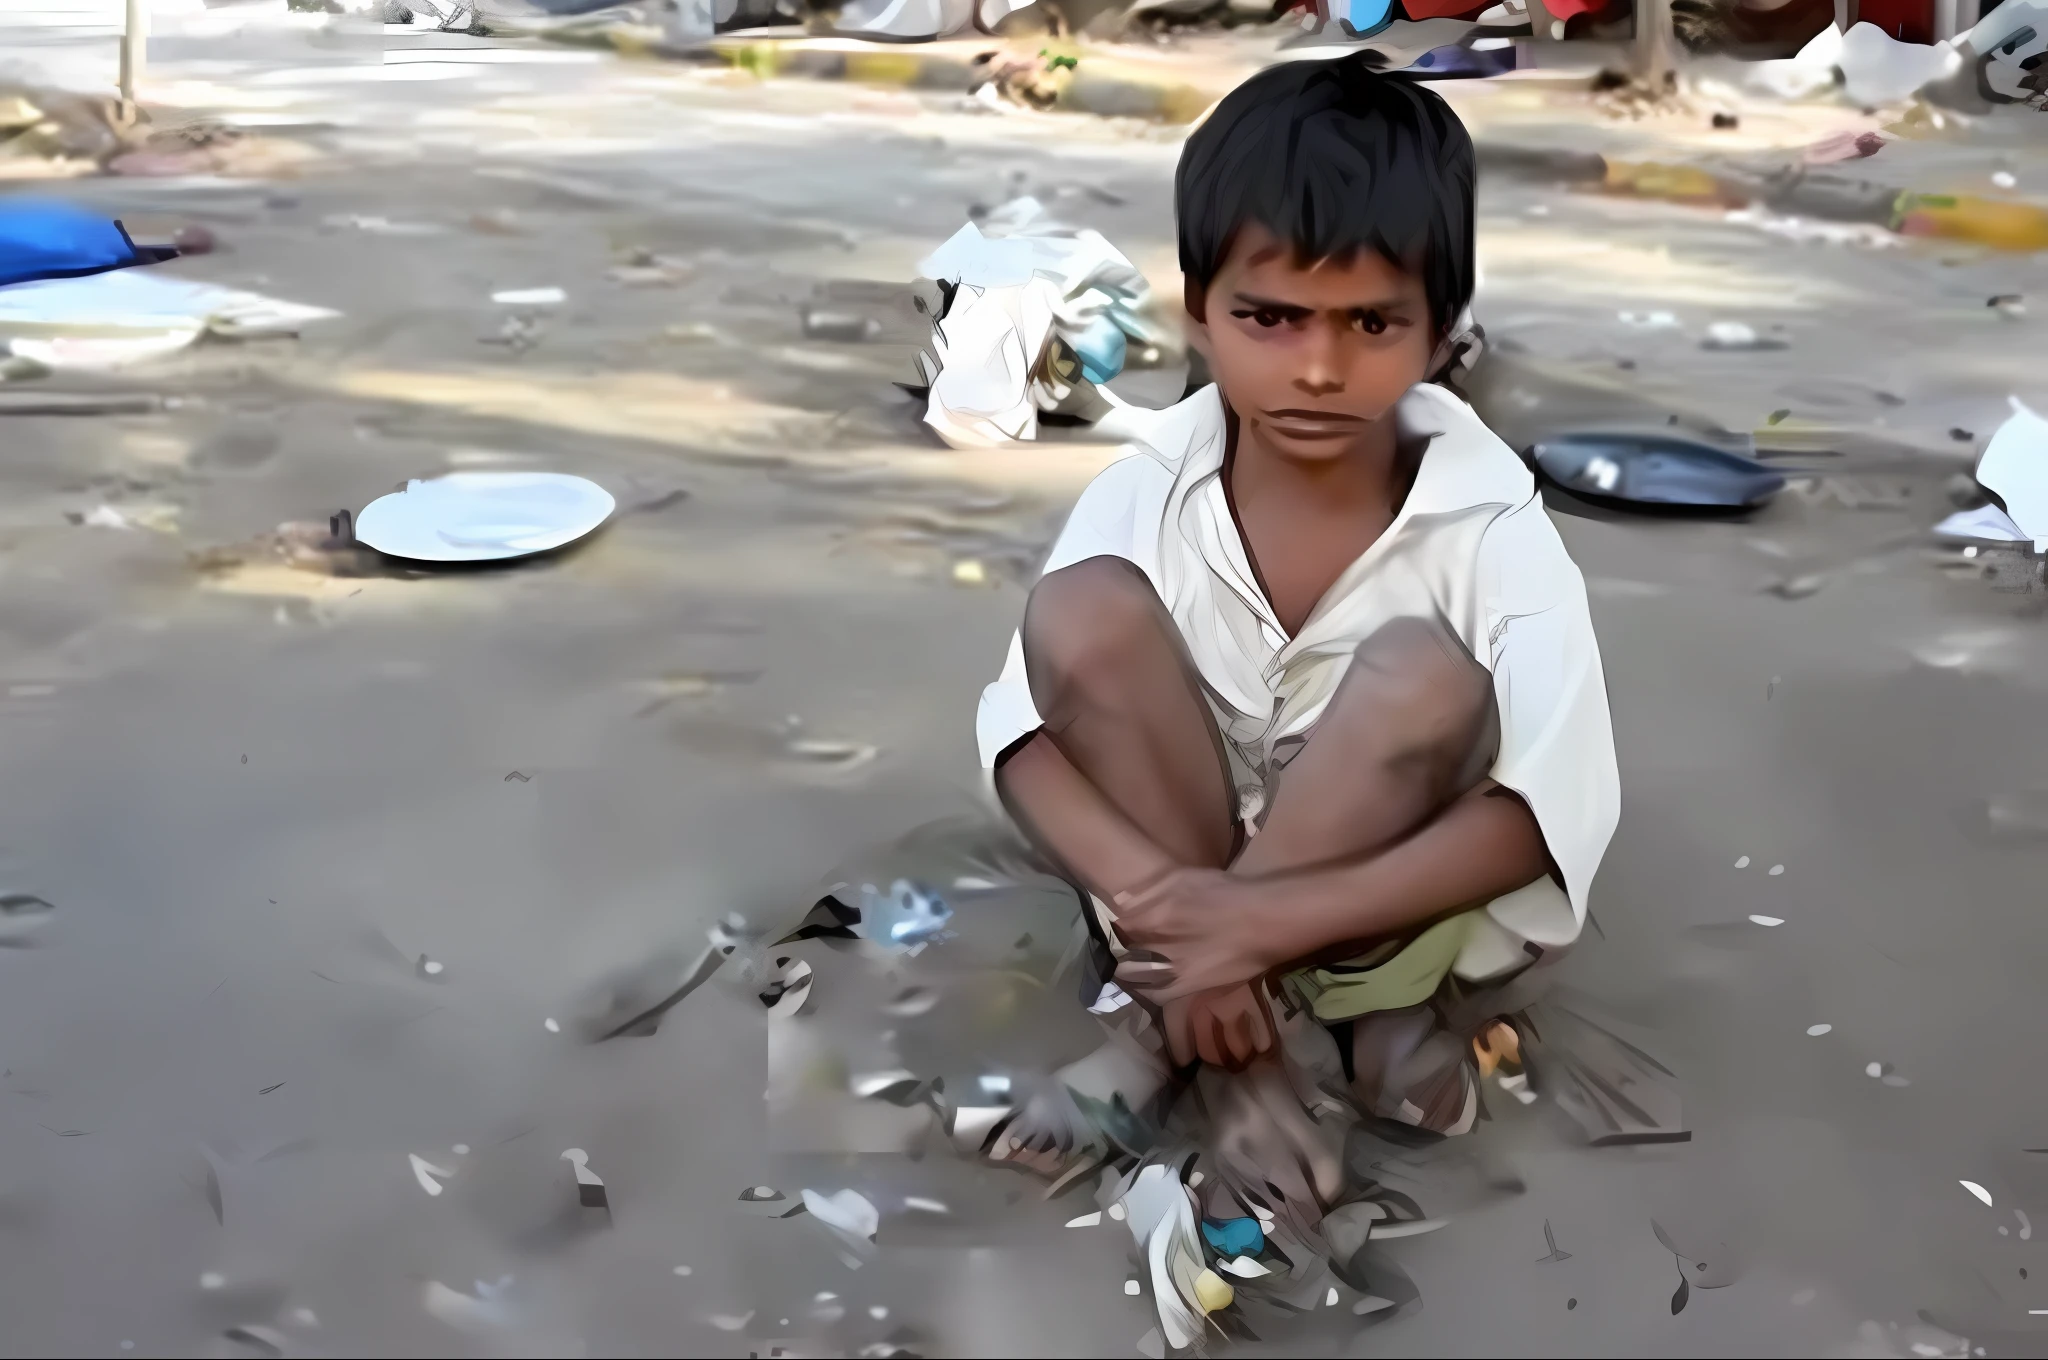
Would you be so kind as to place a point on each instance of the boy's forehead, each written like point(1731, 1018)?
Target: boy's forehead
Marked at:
point(1259, 257)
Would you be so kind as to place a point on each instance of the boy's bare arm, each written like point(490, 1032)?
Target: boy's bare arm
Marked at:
point(1063, 812)
point(1205, 929)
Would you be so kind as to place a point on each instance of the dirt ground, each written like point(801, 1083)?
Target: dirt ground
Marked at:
point(257, 796)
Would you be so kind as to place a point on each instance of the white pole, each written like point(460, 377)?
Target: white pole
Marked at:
point(134, 36)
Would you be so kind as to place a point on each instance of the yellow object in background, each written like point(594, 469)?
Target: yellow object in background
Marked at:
point(1960, 217)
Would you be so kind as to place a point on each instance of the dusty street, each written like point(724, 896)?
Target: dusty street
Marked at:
point(257, 796)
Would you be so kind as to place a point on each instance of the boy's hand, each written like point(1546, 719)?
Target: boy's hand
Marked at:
point(1194, 930)
point(1226, 1028)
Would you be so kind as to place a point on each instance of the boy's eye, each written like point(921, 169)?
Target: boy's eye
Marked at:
point(1372, 323)
point(1265, 317)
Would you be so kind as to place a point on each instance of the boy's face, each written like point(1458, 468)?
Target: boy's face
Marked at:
point(1311, 357)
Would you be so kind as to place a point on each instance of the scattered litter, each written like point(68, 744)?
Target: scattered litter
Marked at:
point(682, 1270)
point(41, 239)
point(1979, 1191)
point(1815, 1031)
point(1777, 870)
point(590, 1190)
point(263, 1340)
point(1234, 1237)
point(970, 573)
point(1742, 863)
point(1879, 69)
point(1797, 587)
point(629, 1006)
point(845, 328)
point(2011, 306)
point(430, 967)
point(1986, 523)
point(484, 516)
point(878, 1312)
point(1656, 469)
point(2026, 1225)
point(1650, 321)
point(128, 315)
point(425, 1171)
point(913, 1001)
point(1213, 1293)
point(897, 1086)
point(530, 297)
point(1736, 336)
point(922, 1205)
point(1109, 1000)
point(2014, 468)
point(730, 1322)
point(517, 333)
point(89, 354)
point(552, 1025)
point(789, 992)
point(2004, 179)
point(1885, 1073)
point(1768, 920)
point(844, 755)
point(1550, 1241)
point(380, 226)
point(21, 913)
point(905, 917)
point(481, 1313)
point(848, 1214)
point(1093, 1220)
point(1844, 146)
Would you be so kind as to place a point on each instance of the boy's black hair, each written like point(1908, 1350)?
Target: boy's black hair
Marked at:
point(1333, 157)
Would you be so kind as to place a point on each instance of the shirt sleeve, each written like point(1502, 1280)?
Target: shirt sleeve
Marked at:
point(1557, 738)
point(1117, 515)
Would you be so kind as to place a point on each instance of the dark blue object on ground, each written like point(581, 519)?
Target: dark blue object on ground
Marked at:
point(1462, 63)
point(1656, 470)
point(45, 240)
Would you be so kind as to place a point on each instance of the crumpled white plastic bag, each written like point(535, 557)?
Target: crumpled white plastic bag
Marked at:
point(1023, 281)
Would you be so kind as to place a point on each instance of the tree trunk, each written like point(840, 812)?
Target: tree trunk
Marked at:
point(1654, 60)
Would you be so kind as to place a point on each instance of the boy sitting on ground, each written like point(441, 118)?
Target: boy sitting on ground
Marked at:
point(1308, 698)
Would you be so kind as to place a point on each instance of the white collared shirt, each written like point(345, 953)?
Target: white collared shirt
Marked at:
point(1472, 545)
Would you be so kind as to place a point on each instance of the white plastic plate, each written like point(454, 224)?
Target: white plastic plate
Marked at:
point(484, 516)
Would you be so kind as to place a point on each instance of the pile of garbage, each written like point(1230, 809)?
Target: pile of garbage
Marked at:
point(1999, 61)
point(1029, 318)
point(60, 134)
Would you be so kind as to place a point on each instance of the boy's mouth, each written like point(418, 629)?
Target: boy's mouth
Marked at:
point(1313, 424)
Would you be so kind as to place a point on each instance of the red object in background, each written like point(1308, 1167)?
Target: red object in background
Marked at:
point(1906, 20)
point(1444, 9)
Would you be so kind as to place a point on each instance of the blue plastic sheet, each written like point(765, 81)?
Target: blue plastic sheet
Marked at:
point(47, 240)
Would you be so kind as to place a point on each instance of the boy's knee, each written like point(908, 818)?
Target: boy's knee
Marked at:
point(1085, 623)
point(1413, 681)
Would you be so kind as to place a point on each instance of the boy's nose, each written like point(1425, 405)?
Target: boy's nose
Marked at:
point(1319, 375)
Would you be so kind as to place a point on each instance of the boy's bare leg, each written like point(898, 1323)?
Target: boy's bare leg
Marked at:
point(1127, 736)
point(1126, 779)
point(1411, 727)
